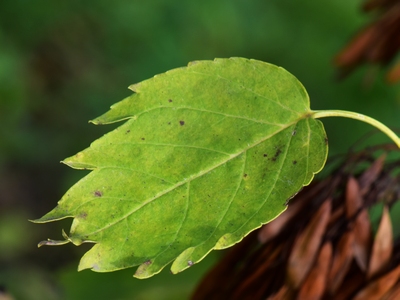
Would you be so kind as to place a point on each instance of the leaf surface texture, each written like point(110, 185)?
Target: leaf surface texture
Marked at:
point(207, 154)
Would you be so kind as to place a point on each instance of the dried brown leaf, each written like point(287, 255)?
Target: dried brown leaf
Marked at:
point(306, 246)
point(393, 293)
point(336, 215)
point(313, 287)
point(362, 239)
point(285, 292)
point(272, 229)
point(378, 4)
point(253, 278)
point(214, 284)
point(371, 174)
point(383, 245)
point(393, 75)
point(351, 284)
point(354, 200)
point(379, 287)
point(341, 261)
point(353, 53)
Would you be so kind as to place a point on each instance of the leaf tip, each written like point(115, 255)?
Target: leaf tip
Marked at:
point(95, 122)
point(134, 87)
point(77, 162)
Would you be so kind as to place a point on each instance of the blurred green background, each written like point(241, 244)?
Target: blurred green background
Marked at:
point(64, 63)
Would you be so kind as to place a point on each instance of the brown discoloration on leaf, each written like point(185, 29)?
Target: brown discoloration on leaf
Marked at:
point(182, 122)
point(383, 245)
point(306, 246)
point(83, 215)
point(277, 153)
point(98, 193)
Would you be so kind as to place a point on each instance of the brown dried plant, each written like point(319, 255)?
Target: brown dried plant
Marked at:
point(377, 43)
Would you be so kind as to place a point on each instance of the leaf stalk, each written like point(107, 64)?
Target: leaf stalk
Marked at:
point(357, 116)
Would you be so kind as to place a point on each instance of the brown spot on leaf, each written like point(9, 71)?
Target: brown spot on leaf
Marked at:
point(276, 155)
point(294, 132)
point(244, 175)
point(170, 100)
point(142, 139)
point(182, 123)
point(265, 155)
point(98, 194)
point(127, 131)
point(326, 141)
point(295, 162)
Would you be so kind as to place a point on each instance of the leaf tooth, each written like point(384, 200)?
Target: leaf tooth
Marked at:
point(54, 215)
point(134, 87)
point(181, 262)
point(120, 111)
point(78, 165)
point(142, 271)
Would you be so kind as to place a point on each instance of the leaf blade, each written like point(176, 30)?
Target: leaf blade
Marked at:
point(200, 172)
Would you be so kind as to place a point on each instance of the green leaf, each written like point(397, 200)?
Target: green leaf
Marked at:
point(208, 153)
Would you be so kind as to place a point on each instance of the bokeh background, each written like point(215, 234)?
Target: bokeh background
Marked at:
point(63, 63)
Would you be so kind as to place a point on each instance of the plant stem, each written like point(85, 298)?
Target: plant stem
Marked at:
point(352, 115)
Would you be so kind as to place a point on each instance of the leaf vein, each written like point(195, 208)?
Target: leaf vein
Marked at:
point(277, 177)
point(247, 89)
point(192, 178)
